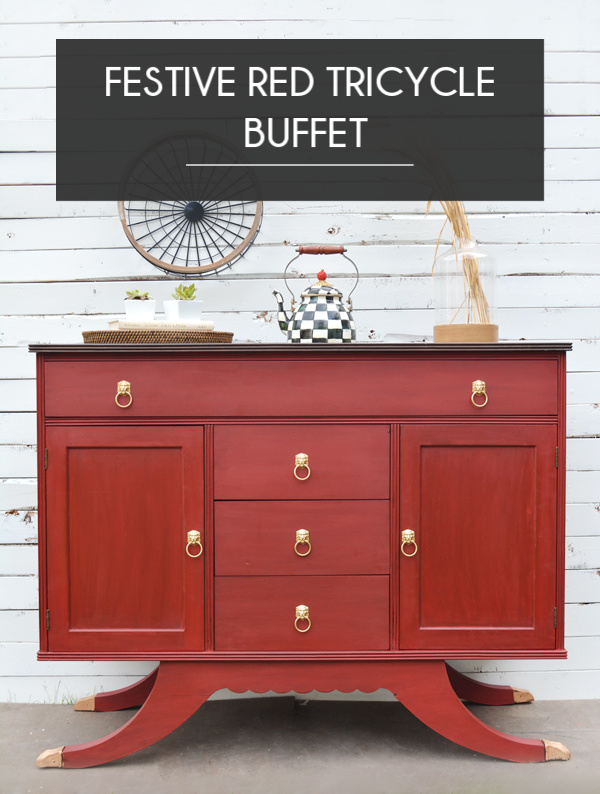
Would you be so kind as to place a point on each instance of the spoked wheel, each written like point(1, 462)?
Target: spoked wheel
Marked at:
point(211, 212)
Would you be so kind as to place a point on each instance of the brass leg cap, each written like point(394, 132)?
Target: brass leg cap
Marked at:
point(86, 704)
point(50, 758)
point(522, 695)
point(555, 751)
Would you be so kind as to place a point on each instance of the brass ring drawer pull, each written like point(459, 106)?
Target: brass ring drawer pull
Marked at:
point(302, 614)
point(301, 463)
point(193, 538)
point(479, 388)
point(408, 538)
point(123, 390)
point(302, 539)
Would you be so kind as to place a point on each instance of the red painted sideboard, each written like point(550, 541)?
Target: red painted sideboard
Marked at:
point(299, 573)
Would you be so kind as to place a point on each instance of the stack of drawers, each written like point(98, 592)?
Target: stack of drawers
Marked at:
point(263, 574)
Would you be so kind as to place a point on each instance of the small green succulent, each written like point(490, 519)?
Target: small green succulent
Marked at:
point(183, 293)
point(136, 295)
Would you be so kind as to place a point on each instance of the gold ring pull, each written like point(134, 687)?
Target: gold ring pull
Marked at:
point(301, 463)
point(302, 614)
point(124, 388)
point(193, 538)
point(408, 537)
point(302, 539)
point(479, 388)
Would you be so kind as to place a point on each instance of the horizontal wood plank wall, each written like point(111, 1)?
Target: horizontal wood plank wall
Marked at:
point(64, 268)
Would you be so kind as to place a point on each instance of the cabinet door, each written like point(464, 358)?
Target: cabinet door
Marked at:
point(482, 503)
point(120, 501)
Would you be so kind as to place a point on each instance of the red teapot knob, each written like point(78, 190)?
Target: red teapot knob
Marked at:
point(322, 275)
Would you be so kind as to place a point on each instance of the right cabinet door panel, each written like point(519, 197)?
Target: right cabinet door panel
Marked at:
point(481, 500)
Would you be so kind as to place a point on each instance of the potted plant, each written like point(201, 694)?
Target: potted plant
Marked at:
point(184, 307)
point(139, 306)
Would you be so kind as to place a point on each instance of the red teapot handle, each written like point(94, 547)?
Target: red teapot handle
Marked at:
point(321, 249)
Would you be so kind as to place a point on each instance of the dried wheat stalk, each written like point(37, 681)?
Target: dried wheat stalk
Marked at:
point(476, 307)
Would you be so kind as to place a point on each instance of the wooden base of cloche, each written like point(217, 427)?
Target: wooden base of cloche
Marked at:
point(465, 333)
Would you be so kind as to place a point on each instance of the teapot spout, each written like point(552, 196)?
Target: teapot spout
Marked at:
point(282, 317)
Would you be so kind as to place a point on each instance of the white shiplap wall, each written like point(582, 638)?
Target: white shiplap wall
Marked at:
point(64, 268)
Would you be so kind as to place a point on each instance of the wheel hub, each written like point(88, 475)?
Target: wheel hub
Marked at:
point(194, 211)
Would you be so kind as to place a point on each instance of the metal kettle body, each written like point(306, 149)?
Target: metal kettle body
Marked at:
point(321, 316)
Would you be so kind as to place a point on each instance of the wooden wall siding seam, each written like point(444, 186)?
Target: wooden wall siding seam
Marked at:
point(37, 38)
point(560, 165)
point(565, 100)
point(20, 559)
point(39, 13)
point(562, 260)
point(33, 135)
point(21, 625)
point(20, 526)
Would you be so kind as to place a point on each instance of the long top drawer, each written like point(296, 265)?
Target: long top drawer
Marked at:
point(292, 383)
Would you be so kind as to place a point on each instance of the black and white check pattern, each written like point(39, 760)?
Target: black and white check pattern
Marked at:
point(322, 319)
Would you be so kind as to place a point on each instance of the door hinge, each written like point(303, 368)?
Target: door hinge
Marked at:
point(45, 458)
point(47, 620)
point(556, 458)
point(555, 614)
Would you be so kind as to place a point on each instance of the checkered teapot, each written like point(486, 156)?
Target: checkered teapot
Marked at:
point(321, 316)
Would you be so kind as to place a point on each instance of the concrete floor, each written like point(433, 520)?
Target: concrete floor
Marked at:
point(276, 745)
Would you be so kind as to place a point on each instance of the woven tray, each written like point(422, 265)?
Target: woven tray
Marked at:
point(154, 336)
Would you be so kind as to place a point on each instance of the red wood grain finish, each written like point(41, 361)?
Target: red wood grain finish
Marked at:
point(393, 443)
point(120, 503)
point(129, 697)
point(258, 538)
point(427, 692)
point(182, 687)
point(478, 691)
point(177, 693)
point(306, 386)
point(345, 461)
point(466, 688)
point(482, 502)
point(258, 612)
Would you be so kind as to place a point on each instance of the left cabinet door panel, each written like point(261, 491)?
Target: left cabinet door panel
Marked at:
point(120, 502)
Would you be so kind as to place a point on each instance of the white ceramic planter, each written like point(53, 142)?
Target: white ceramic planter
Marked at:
point(183, 311)
point(140, 311)
point(171, 313)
